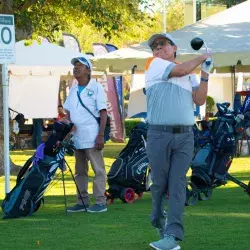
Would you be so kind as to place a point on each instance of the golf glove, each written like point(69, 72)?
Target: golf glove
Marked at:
point(207, 65)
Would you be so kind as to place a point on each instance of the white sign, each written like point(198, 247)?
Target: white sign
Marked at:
point(7, 39)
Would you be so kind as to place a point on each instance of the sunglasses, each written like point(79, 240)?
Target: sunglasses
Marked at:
point(161, 43)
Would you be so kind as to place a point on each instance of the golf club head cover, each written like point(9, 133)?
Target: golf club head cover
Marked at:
point(207, 65)
point(59, 133)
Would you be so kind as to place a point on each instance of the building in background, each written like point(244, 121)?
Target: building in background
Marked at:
point(196, 10)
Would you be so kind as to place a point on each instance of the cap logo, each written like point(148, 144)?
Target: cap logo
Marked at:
point(83, 61)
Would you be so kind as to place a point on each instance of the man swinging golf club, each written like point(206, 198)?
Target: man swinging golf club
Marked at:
point(171, 89)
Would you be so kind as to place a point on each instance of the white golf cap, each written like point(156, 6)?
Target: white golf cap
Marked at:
point(160, 35)
point(82, 60)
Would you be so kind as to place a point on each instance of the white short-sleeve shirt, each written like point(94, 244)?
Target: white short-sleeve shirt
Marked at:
point(94, 97)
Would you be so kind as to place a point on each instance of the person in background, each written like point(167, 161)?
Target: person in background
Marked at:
point(37, 130)
point(87, 101)
point(171, 89)
point(61, 113)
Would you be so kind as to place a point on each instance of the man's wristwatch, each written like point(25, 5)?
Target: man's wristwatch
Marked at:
point(204, 79)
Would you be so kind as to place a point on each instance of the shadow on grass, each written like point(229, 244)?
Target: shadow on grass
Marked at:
point(242, 175)
point(219, 223)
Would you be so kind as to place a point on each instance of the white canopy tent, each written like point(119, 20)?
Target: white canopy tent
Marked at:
point(42, 59)
point(35, 78)
point(137, 98)
point(227, 34)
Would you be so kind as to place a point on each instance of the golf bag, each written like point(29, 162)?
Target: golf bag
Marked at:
point(128, 174)
point(212, 160)
point(37, 173)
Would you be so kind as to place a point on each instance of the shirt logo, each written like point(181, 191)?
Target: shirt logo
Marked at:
point(90, 92)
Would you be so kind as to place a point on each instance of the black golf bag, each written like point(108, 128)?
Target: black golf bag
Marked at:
point(212, 160)
point(128, 174)
point(37, 173)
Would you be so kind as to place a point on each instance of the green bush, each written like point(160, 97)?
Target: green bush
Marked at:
point(130, 123)
point(209, 104)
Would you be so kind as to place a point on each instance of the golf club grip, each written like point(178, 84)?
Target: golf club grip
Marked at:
point(208, 61)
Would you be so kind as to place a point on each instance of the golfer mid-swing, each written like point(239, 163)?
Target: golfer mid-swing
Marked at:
point(171, 90)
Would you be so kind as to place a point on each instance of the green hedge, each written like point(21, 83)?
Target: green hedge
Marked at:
point(130, 123)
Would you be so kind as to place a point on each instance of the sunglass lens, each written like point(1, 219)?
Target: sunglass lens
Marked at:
point(161, 43)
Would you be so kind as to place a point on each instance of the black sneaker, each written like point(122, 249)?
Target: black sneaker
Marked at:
point(78, 208)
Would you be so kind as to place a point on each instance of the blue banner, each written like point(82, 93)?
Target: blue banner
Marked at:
point(237, 102)
point(246, 104)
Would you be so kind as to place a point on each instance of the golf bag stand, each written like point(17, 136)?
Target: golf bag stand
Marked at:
point(64, 189)
point(240, 183)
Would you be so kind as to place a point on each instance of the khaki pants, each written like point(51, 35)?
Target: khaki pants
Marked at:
point(95, 157)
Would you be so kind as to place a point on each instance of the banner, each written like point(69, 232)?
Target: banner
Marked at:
point(71, 42)
point(118, 80)
point(117, 134)
point(246, 104)
point(113, 89)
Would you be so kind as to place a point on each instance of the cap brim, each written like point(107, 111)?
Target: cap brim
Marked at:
point(83, 61)
point(155, 36)
point(74, 60)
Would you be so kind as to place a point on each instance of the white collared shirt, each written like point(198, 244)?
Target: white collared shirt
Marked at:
point(94, 97)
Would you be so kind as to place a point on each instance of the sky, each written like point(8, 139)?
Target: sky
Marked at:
point(156, 5)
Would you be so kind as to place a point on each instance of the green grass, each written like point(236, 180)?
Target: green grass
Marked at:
point(219, 223)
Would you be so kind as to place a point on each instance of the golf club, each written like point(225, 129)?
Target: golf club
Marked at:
point(197, 43)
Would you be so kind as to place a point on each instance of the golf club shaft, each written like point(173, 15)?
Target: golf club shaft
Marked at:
point(206, 47)
point(208, 60)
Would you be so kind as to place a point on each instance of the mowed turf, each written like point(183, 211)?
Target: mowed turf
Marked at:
point(222, 222)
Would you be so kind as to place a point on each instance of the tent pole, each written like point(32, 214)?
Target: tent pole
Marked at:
point(234, 81)
point(5, 82)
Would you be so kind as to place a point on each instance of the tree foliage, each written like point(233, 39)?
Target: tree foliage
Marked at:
point(48, 17)
point(122, 23)
point(133, 31)
point(175, 15)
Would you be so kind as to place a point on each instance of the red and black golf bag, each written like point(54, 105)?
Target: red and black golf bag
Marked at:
point(128, 174)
